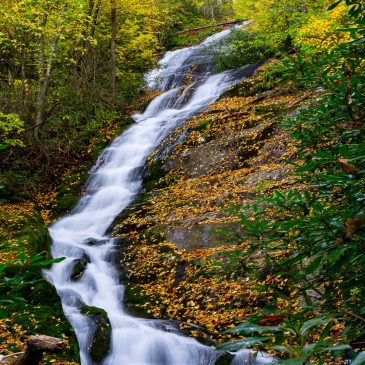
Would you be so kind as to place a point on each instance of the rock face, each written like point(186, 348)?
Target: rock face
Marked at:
point(198, 236)
point(226, 155)
point(100, 344)
point(219, 160)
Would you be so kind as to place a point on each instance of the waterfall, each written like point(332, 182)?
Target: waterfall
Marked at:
point(111, 187)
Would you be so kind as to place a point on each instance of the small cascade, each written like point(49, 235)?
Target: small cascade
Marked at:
point(113, 184)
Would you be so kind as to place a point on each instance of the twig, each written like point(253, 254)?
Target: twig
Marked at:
point(362, 319)
point(2, 357)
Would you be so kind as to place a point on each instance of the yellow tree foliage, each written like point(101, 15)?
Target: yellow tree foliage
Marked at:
point(319, 33)
point(279, 20)
point(10, 125)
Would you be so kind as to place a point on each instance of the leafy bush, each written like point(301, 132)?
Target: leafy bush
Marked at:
point(10, 126)
point(313, 237)
point(244, 47)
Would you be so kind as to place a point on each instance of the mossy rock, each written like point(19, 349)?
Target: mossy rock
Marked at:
point(87, 310)
point(100, 344)
point(79, 267)
point(35, 233)
point(225, 358)
point(154, 174)
point(133, 298)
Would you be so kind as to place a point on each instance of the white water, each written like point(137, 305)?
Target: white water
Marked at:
point(112, 186)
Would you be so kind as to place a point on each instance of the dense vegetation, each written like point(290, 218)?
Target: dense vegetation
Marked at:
point(69, 71)
point(312, 237)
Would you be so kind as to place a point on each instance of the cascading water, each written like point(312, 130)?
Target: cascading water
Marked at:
point(112, 186)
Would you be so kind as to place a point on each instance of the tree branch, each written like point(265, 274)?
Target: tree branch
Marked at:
point(208, 26)
point(362, 319)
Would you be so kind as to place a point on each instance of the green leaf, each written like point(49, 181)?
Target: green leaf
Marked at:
point(283, 349)
point(362, 310)
point(313, 323)
point(314, 265)
point(341, 347)
point(296, 361)
point(325, 332)
point(360, 359)
point(9, 299)
point(334, 5)
point(309, 348)
point(48, 262)
point(3, 313)
point(247, 343)
point(22, 257)
point(250, 328)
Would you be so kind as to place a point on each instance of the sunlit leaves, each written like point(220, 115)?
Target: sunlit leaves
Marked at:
point(10, 127)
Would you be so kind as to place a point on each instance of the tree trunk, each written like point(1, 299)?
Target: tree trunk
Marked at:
point(113, 18)
point(23, 94)
point(94, 17)
point(44, 74)
point(43, 83)
point(36, 345)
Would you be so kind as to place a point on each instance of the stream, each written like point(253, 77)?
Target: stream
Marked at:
point(114, 182)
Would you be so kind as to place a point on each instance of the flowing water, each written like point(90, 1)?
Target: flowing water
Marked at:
point(113, 183)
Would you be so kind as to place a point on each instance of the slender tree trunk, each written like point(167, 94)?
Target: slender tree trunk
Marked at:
point(23, 94)
point(43, 83)
point(94, 17)
point(113, 18)
point(41, 65)
point(44, 74)
point(10, 86)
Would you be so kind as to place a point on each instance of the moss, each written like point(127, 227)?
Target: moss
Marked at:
point(69, 190)
point(33, 304)
point(155, 173)
point(243, 88)
point(44, 315)
point(25, 230)
point(93, 311)
point(203, 124)
point(133, 299)
point(273, 108)
point(100, 344)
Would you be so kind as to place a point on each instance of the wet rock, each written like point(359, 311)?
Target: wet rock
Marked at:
point(96, 242)
point(225, 358)
point(132, 299)
point(79, 267)
point(117, 255)
point(100, 344)
point(165, 325)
